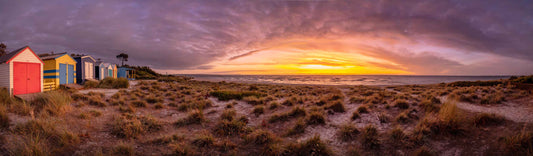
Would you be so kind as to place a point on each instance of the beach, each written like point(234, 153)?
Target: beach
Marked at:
point(180, 116)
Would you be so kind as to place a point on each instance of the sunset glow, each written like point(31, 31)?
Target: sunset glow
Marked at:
point(285, 37)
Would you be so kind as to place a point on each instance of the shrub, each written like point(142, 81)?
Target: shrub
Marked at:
point(519, 144)
point(90, 84)
point(153, 99)
point(159, 106)
point(423, 151)
point(124, 149)
point(383, 118)
point(298, 128)
point(429, 106)
point(403, 117)
point(253, 100)
point(312, 146)
point(258, 110)
point(204, 140)
point(295, 112)
point(348, 132)
point(397, 135)
point(362, 109)
point(229, 128)
point(229, 95)
point(182, 149)
point(369, 137)
point(95, 113)
point(150, 124)
point(273, 105)
point(126, 128)
point(315, 118)
point(194, 117)
point(168, 139)
point(357, 99)
point(96, 101)
point(337, 106)
point(261, 137)
point(228, 115)
point(486, 119)
point(126, 109)
point(355, 115)
point(402, 104)
point(139, 103)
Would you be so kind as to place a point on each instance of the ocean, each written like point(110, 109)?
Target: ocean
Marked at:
point(342, 79)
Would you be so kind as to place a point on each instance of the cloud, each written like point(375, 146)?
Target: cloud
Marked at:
point(184, 35)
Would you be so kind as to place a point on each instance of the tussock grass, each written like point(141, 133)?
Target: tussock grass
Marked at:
point(486, 119)
point(315, 118)
point(226, 95)
point(228, 115)
point(182, 149)
point(53, 102)
point(448, 121)
point(230, 128)
point(369, 137)
point(298, 128)
point(337, 106)
point(519, 144)
point(402, 104)
point(123, 127)
point(139, 103)
point(204, 139)
point(348, 132)
point(194, 117)
point(397, 135)
point(41, 137)
point(90, 84)
point(295, 112)
point(168, 139)
point(383, 118)
point(362, 109)
point(312, 146)
point(258, 110)
point(4, 119)
point(110, 82)
point(125, 149)
point(355, 115)
point(261, 137)
point(423, 151)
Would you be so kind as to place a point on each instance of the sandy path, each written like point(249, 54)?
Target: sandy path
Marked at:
point(509, 110)
point(108, 92)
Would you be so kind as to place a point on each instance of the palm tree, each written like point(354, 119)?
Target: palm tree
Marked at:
point(123, 57)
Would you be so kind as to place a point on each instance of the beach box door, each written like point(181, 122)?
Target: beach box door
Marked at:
point(71, 73)
point(26, 78)
point(62, 74)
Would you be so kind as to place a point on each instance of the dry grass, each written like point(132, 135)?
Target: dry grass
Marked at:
point(194, 117)
point(519, 144)
point(348, 132)
point(312, 146)
point(370, 137)
point(52, 103)
point(485, 119)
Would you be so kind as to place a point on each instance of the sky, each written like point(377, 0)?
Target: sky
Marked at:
point(407, 37)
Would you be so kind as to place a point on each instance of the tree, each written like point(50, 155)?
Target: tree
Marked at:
point(3, 49)
point(123, 57)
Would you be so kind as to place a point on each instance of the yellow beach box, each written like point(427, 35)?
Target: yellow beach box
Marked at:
point(58, 69)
